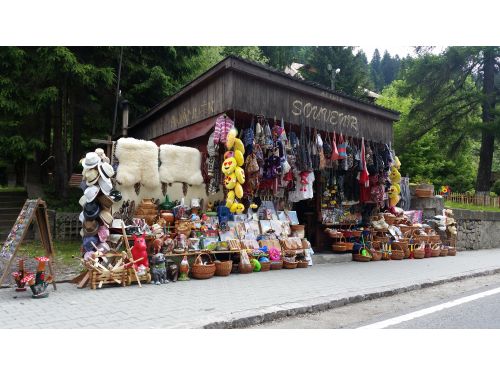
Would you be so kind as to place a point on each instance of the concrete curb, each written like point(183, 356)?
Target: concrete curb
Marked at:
point(258, 316)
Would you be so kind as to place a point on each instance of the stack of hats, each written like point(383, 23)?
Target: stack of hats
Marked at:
point(97, 199)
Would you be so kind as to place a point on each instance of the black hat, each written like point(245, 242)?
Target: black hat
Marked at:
point(115, 195)
point(91, 210)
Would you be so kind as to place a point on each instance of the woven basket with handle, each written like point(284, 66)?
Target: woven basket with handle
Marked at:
point(203, 271)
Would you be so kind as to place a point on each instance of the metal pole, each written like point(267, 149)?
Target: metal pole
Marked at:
point(124, 118)
point(117, 91)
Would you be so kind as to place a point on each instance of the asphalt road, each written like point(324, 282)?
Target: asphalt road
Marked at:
point(464, 304)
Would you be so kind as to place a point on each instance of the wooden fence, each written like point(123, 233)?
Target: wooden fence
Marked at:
point(68, 226)
point(478, 200)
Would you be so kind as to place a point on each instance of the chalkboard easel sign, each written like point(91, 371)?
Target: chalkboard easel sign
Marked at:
point(32, 209)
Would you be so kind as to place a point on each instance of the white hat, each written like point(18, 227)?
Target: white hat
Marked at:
point(91, 160)
point(117, 223)
point(90, 193)
point(106, 172)
point(99, 151)
point(106, 186)
point(81, 217)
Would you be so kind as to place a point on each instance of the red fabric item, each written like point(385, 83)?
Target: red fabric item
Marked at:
point(364, 179)
point(335, 152)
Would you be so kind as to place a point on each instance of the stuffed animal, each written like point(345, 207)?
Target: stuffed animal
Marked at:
point(230, 181)
point(395, 176)
point(393, 196)
point(139, 250)
point(240, 175)
point(231, 137)
point(229, 165)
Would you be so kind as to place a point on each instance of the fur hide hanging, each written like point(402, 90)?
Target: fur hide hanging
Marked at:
point(180, 164)
point(138, 162)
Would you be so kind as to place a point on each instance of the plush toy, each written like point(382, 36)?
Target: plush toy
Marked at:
point(238, 155)
point(256, 265)
point(393, 196)
point(239, 146)
point(230, 181)
point(240, 175)
point(240, 207)
point(231, 137)
point(158, 270)
point(229, 165)
point(210, 206)
point(274, 254)
point(238, 190)
point(395, 176)
point(139, 250)
point(230, 199)
point(235, 175)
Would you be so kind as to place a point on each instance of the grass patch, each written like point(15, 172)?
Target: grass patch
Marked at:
point(65, 250)
point(471, 207)
point(12, 189)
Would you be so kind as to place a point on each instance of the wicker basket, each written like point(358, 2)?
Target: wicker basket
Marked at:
point(302, 264)
point(223, 268)
point(202, 271)
point(360, 258)
point(397, 254)
point(339, 246)
point(289, 265)
point(276, 265)
point(403, 246)
point(245, 268)
point(348, 245)
point(452, 251)
point(419, 253)
point(385, 256)
point(265, 266)
point(427, 251)
point(435, 252)
point(444, 252)
point(376, 255)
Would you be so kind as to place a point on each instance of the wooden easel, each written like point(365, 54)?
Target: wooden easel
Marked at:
point(33, 209)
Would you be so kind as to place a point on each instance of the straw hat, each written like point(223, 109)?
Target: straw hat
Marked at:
point(91, 176)
point(105, 201)
point(106, 217)
point(90, 227)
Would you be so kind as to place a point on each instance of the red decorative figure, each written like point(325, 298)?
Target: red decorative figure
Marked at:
point(139, 251)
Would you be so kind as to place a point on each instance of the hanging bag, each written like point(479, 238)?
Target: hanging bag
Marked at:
point(335, 151)
point(342, 147)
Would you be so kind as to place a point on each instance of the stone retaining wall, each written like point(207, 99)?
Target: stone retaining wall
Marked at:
point(477, 230)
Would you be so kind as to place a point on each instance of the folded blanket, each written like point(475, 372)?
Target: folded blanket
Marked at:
point(180, 164)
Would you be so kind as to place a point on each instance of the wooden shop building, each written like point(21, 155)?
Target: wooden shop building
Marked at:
point(244, 89)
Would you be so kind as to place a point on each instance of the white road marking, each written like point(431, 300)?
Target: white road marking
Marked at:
point(429, 310)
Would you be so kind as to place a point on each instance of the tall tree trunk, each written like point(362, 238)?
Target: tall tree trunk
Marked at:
point(60, 162)
point(483, 182)
point(77, 131)
point(47, 152)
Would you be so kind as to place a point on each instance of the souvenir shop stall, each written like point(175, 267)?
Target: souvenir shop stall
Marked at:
point(248, 169)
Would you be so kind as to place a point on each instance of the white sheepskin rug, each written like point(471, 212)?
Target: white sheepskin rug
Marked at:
point(180, 164)
point(138, 162)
